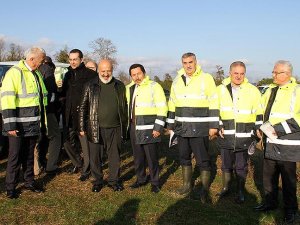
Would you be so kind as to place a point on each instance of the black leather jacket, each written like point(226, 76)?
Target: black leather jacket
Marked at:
point(88, 110)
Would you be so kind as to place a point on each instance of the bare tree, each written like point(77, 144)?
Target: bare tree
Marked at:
point(122, 76)
point(104, 49)
point(2, 49)
point(15, 52)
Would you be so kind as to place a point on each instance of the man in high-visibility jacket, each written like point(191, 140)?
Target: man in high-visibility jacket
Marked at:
point(281, 104)
point(240, 118)
point(193, 116)
point(147, 113)
point(23, 101)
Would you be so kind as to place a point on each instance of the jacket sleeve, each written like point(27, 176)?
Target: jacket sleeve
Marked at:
point(258, 108)
point(9, 89)
point(83, 108)
point(214, 112)
point(171, 109)
point(161, 108)
point(291, 125)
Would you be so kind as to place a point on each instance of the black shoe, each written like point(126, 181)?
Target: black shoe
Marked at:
point(155, 188)
point(12, 194)
point(84, 177)
point(290, 217)
point(97, 187)
point(73, 170)
point(137, 185)
point(116, 187)
point(264, 208)
point(34, 189)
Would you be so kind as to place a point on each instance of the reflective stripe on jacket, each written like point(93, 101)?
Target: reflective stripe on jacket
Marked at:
point(150, 109)
point(193, 107)
point(241, 120)
point(20, 100)
point(285, 117)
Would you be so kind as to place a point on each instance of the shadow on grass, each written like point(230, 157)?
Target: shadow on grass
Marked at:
point(188, 211)
point(126, 214)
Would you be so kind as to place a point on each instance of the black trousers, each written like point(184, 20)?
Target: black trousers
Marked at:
point(272, 169)
point(143, 154)
point(74, 144)
point(96, 163)
point(111, 144)
point(239, 159)
point(21, 152)
point(199, 147)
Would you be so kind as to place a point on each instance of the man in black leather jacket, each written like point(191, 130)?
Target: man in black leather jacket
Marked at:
point(73, 84)
point(103, 120)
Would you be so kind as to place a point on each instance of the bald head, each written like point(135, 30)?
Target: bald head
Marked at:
point(34, 57)
point(105, 70)
point(91, 65)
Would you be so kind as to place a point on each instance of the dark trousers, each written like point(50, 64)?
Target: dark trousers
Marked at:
point(21, 152)
point(110, 142)
point(272, 169)
point(73, 149)
point(199, 147)
point(96, 163)
point(143, 154)
point(239, 159)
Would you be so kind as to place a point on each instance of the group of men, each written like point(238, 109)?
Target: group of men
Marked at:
point(100, 112)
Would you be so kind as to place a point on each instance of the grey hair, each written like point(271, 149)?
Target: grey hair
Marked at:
point(34, 51)
point(188, 54)
point(286, 63)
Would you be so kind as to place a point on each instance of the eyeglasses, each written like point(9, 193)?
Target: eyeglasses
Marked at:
point(278, 73)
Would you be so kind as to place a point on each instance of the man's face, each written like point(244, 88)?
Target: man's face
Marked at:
point(74, 60)
point(35, 61)
point(237, 75)
point(105, 70)
point(91, 65)
point(281, 74)
point(189, 64)
point(137, 75)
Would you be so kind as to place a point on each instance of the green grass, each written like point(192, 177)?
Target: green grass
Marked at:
point(69, 201)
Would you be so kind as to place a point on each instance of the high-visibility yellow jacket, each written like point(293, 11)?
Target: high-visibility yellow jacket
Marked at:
point(193, 107)
point(20, 100)
point(239, 120)
point(150, 109)
point(285, 117)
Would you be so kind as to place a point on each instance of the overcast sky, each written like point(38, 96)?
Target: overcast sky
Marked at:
point(156, 33)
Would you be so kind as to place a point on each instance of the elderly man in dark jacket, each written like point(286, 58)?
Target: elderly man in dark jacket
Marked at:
point(103, 119)
point(73, 84)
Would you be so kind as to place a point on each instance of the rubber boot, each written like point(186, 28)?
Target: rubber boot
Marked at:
point(226, 178)
point(187, 181)
point(241, 190)
point(205, 180)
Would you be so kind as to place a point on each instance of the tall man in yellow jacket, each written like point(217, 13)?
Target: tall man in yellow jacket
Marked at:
point(193, 116)
point(147, 113)
point(281, 104)
point(240, 118)
point(23, 101)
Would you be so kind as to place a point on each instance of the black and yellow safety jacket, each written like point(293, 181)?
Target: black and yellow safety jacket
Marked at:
point(20, 100)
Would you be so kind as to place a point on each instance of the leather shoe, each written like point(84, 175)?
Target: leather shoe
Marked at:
point(34, 189)
point(84, 177)
point(137, 185)
point(12, 194)
point(116, 187)
point(264, 208)
point(97, 188)
point(155, 188)
point(73, 170)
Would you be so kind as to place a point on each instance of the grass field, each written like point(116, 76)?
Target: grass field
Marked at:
point(69, 201)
